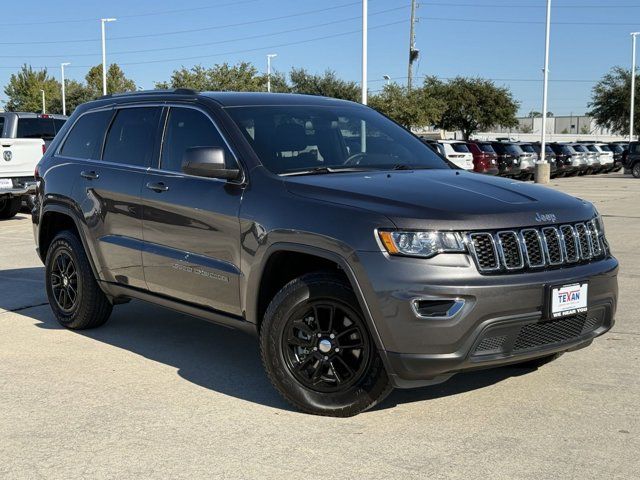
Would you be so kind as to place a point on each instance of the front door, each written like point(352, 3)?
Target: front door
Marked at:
point(190, 224)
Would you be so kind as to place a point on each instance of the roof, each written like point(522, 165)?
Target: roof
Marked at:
point(237, 99)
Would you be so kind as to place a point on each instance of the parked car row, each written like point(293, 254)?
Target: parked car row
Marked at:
point(518, 159)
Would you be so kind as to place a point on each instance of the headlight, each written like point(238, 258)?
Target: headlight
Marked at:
point(421, 244)
point(599, 224)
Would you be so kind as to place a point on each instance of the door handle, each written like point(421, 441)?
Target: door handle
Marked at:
point(89, 175)
point(157, 187)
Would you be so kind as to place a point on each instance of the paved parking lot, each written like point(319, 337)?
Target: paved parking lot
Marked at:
point(154, 394)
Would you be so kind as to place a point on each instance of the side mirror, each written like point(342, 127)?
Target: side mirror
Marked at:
point(207, 162)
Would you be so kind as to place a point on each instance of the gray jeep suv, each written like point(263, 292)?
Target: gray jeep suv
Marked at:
point(361, 258)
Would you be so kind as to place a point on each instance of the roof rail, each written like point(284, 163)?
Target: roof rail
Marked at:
point(176, 91)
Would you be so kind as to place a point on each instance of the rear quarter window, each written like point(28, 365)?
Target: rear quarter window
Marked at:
point(86, 136)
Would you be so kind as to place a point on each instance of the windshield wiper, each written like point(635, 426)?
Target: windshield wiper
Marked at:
point(324, 170)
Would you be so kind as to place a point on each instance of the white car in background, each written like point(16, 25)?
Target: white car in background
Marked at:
point(458, 153)
point(606, 156)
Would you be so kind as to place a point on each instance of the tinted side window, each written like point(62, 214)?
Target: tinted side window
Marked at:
point(1, 125)
point(131, 138)
point(36, 128)
point(85, 138)
point(188, 128)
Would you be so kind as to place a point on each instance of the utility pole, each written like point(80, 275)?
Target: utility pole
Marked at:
point(633, 84)
point(104, 54)
point(413, 53)
point(269, 57)
point(543, 169)
point(64, 100)
point(365, 14)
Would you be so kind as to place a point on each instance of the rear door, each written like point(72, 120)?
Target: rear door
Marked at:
point(191, 227)
point(109, 187)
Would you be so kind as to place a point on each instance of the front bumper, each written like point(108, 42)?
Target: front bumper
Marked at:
point(420, 351)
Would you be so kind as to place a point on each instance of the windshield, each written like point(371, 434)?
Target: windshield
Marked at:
point(513, 150)
point(579, 148)
point(592, 148)
point(486, 148)
point(527, 148)
point(460, 148)
point(617, 149)
point(290, 139)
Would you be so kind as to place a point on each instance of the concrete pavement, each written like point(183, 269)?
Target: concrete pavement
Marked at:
point(154, 394)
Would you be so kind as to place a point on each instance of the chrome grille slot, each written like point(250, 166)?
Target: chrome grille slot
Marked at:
point(593, 235)
point(584, 242)
point(570, 243)
point(550, 246)
point(553, 247)
point(510, 250)
point(484, 249)
point(533, 252)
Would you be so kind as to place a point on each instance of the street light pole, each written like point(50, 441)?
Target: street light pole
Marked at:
point(64, 101)
point(364, 50)
point(633, 84)
point(387, 79)
point(269, 57)
point(44, 105)
point(104, 55)
point(543, 171)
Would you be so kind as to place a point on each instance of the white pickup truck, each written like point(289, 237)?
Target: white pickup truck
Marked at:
point(23, 140)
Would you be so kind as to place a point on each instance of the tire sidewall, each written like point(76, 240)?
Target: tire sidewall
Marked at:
point(635, 170)
point(67, 244)
point(362, 395)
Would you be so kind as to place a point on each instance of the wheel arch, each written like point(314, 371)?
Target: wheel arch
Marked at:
point(319, 257)
point(54, 219)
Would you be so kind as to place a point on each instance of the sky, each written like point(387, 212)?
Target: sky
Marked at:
point(501, 40)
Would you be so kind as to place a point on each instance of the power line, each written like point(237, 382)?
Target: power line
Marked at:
point(193, 30)
point(218, 42)
point(135, 15)
point(247, 50)
point(528, 22)
point(487, 5)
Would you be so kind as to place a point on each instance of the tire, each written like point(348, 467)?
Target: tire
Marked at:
point(67, 270)
point(312, 373)
point(538, 362)
point(635, 170)
point(30, 202)
point(9, 207)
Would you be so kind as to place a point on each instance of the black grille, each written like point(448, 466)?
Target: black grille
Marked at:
point(561, 330)
point(554, 251)
point(485, 251)
point(583, 240)
point(533, 248)
point(490, 344)
point(552, 246)
point(570, 243)
point(510, 249)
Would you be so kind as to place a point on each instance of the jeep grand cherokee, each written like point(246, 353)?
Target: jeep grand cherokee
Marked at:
point(361, 258)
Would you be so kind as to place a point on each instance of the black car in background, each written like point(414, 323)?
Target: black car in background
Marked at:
point(550, 156)
point(618, 150)
point(568, 163)
point(508, 159)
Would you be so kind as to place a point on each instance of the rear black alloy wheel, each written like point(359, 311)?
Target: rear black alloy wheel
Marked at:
point(326, 346)
point(317, 350)
point(635, 171)
point(74, 295)
point(64, 282)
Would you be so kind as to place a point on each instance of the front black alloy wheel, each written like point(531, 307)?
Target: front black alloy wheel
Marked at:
point(326, 346)
point(317, 350)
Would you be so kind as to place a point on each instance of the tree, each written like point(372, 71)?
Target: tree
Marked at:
point(243, 77)
point(536, 114)
point(472, 104)
point(328, 84)
point(117, 82)
point(23, 91)
point(414, 108)
point(610, 101)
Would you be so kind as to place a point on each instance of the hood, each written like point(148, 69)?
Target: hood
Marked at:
point(444, 199)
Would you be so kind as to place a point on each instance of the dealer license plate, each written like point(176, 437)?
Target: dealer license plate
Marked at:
point(569, 299)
